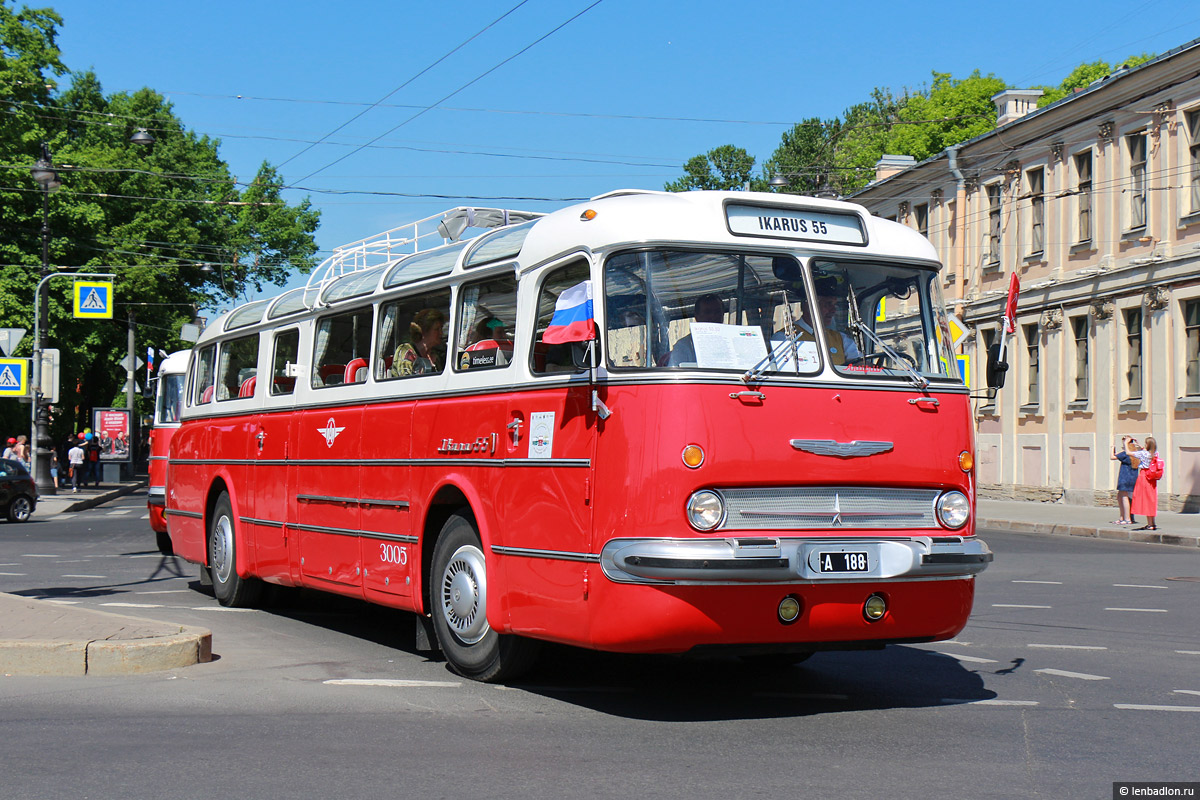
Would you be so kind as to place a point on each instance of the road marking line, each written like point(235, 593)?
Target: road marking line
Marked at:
point(148, 555)
point(1150, 610)
point(1050, 583)
point(131, 605)
point(85, 576)
point(167, 591)
point(223, 608)
point(992, 702)
point(118, 511)
point(1137, 586)
point(401, 684)
point(13, 574)
point(1186, 691)
point(1062, 673)
point(1136, 707)
point(1069, 646)
point(59, 602)
point(40, 555)
point(13, 564)
point(971, 659)
point(1188, 652)
point(1016, 605)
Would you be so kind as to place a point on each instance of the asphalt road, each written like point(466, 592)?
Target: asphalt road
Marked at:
point(1080, 667)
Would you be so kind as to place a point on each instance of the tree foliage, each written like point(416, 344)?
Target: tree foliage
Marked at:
point(725, 167)
point(1083, 76)
point(151, 218)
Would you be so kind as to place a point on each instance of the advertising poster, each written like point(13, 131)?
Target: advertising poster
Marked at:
point(111, 425)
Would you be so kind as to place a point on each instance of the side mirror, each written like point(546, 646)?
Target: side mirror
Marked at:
point(786, 269)
point(996, 369)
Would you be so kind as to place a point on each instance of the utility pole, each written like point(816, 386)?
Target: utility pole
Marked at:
point(131, 364)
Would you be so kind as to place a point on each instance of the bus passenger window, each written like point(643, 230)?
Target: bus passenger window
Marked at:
point(238, 366)
point(204, 375)
point(548, 358)
point(412, 338)
point(287, 349)
point(340, 341)
point(487, 315)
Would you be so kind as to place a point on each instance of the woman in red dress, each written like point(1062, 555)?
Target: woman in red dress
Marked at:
point(1145, 492)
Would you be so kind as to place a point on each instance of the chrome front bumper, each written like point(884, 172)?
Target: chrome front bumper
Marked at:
point(790, 560)
point(157, 496)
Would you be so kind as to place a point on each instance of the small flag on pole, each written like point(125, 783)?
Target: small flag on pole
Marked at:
point(149, 360)
point(574, 319)
point(1010, 307)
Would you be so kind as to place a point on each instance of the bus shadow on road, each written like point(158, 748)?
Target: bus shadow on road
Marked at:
point(682, 689)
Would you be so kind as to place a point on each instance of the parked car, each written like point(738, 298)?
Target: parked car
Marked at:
point(18, 492)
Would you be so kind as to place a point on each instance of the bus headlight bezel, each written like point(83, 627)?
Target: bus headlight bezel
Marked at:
point(953, 510)
point(706, 510)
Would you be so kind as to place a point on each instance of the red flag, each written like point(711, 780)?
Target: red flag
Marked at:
point(1010, 307)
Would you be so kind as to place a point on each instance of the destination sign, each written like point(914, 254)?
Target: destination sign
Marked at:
point(788, 223)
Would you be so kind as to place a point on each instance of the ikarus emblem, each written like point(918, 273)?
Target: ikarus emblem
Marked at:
point(330, 432)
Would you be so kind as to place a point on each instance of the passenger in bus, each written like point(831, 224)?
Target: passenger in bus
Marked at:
point(708, 308)
point(423, 353)
point(827, 300)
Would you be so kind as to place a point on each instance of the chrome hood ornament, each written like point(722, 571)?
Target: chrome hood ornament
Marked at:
point(831, 447)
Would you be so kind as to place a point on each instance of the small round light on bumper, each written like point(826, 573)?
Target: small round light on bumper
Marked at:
point(789, 609)
point(874, 608)
point(705, 510)
point(693, 456)
point(953, 510)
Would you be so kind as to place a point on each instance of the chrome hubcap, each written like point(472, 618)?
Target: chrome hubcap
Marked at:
point(464, 594)
point(220, 550)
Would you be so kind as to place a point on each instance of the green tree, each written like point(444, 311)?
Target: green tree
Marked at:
point(152, 218)
point(725, 167)
point(1083, 76)
point(953, 111)
point(805, 156)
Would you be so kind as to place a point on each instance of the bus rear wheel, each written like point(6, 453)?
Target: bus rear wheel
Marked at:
point(230, 589)
point(458, 592)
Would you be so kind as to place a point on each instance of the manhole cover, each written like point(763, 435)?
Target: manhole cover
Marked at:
point(1193, 579)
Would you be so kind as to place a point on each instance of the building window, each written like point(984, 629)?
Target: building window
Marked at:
point(1079, 327)
point(1133, 354)
point(1033, 394)
point(1191, 323)
point(1137, 180)
point(1193, 139)
point(993, 198)
point(1083, 190)
point(922, 214)
point(1036, 179)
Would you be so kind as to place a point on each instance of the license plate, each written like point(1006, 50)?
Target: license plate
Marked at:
point(843, 562)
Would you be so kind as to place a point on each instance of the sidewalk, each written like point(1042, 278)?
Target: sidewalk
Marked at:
point(1094, 521)
point(42, 637)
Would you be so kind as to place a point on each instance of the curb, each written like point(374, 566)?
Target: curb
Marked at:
point(132, 645)
point(100, 499)
point(1116, 534)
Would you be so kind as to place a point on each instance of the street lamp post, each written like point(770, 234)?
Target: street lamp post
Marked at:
point(45, 175)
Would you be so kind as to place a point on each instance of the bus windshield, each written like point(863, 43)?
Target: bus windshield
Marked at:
point(170, 398)
point(752, 313)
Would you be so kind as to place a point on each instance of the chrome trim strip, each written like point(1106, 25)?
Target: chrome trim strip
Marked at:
point(387, 462)
point(318, 498)
point(400, 504)
point(392, 537)
point(266, 523)
point(173, 512)
point(556, 555)
point(158, 458)
point(157, 490)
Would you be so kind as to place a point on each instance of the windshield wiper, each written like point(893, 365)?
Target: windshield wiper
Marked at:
point(791, 338)
point(860, 327)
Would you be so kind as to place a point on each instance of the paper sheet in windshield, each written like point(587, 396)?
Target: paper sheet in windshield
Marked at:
point(727, 346)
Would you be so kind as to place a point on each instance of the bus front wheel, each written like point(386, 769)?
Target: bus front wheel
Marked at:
point(459, 603)
point(230, 589)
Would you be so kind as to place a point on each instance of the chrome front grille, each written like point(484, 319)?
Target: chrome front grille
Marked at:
point(828, 508)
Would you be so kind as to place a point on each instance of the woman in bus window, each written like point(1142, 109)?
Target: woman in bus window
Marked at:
point(422, 355)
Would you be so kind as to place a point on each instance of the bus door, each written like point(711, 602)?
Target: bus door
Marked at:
point(324, 494)
point(544, 494)
point(270, 447)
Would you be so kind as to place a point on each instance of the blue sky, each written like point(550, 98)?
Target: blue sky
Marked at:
point(619, 97)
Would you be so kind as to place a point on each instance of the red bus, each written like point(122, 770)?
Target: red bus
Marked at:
point(766, 450)
point(168, 401)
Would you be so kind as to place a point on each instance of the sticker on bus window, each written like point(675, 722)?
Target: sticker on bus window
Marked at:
point(541, 434)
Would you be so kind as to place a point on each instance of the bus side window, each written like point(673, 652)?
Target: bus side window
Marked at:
point(549, 358)
point(411, 340)
point(238, 364)
point(287, 349)
point(487, 315)
point(340, 341)
point(204, 375)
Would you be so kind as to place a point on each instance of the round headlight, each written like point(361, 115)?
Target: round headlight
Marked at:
point(953, 509)
point(705, 510)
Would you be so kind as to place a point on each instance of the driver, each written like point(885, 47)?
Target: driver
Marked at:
point(827, 300)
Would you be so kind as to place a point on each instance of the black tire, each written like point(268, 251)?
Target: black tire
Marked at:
point(164, 543)
point(458, 599)
point(20, 509)
point(230, 589)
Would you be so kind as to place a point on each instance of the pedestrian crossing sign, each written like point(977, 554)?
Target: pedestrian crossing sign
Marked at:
point(93, 299)
point(14, 377)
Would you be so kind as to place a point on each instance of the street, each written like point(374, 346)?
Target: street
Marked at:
point(1080, 667)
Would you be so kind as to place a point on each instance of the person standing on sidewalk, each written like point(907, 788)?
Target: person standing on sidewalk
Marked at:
point(1126, 479)
point(92, 458)
point(75, 457)
point(1145, 493)
point(10, 450)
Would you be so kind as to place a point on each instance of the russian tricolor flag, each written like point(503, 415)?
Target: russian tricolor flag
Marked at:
point(574, 319)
